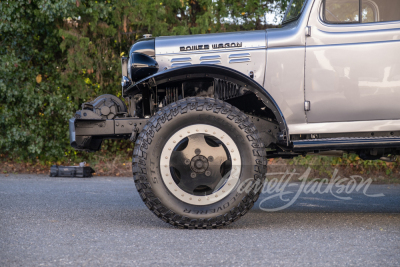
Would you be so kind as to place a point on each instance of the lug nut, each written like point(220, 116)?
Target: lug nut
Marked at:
point(208, 173)
point(187, 161)
point(210, 158)
point(197, 151)
point(193, 175)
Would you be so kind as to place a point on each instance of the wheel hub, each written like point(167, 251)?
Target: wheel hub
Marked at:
point(199, 164)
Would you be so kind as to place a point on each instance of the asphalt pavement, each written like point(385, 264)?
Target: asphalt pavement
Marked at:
point(103, 222)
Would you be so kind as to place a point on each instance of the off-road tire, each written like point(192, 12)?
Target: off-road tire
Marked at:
point(146, 160)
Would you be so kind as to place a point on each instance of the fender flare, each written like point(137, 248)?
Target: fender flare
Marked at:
point(200, 71)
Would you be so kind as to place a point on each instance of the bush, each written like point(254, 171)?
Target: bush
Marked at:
point(54, 55)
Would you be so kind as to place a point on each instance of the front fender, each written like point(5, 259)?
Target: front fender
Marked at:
point(195, 72)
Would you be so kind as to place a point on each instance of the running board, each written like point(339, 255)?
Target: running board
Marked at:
point(345, 143)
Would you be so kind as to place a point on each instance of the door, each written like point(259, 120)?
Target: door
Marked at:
point(352, 69)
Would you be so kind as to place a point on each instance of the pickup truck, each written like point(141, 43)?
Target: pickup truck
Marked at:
point(207, 111)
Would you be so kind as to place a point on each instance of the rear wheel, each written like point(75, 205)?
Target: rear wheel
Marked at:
point(190, 159)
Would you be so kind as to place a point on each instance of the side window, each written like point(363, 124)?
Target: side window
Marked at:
point(341, 11)
point(349, 11)
point(380, 10)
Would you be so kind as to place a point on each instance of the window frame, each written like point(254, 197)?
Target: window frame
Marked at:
point(360, 2)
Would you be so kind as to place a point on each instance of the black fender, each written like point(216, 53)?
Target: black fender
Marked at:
point(242, 83)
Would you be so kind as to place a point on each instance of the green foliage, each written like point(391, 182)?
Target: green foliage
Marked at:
point(56, 54)
point(326, 165)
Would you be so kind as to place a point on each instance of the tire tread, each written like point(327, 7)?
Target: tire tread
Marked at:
point(167, 113)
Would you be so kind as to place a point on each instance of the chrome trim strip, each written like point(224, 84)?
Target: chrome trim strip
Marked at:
point(356, 43)
point(182, 59)
point(210, 57)
point(239, 60)
point(347, 126)
point(239, 55)
point(175, 65)
point(211, 62)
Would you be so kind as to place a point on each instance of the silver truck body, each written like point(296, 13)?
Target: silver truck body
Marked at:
point(349, 73)
point(207, 111)
point(310, 86)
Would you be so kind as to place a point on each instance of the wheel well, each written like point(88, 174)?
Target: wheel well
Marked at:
point(245, 100)
point(215, 81)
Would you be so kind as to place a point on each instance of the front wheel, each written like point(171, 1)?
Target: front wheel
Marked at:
point(192, 159)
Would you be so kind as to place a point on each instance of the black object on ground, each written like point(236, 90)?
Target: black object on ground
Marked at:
point(71, 171)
